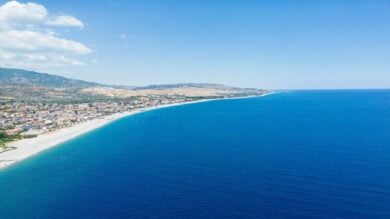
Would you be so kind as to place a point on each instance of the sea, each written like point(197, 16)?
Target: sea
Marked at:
point(297, 154)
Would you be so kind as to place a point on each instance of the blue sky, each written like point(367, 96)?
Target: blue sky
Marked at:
point(265, 44)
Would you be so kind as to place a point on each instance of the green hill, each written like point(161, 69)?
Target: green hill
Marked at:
point(10, 76)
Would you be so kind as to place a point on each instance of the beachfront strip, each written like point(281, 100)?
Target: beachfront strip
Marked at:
point(21, 120)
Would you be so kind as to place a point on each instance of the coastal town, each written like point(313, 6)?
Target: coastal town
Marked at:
point(21, 120)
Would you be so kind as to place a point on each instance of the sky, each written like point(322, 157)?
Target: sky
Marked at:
point(271, 44)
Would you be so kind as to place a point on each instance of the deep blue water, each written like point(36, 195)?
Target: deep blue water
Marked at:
point(312, 154)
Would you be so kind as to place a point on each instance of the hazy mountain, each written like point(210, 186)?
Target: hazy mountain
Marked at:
point(194, 85)
point(184, 85)
point(10, 76)
point(23, 84)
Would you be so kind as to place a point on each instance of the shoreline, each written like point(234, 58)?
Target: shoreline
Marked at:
point(26, 148)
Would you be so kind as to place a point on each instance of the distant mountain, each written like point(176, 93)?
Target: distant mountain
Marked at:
point(22, 84)
point(192, 85)
point(10, 76)
point(184, 85)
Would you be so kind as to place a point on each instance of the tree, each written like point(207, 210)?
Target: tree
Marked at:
point(3, 135)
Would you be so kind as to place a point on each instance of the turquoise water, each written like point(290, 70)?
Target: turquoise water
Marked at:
point(312, 154)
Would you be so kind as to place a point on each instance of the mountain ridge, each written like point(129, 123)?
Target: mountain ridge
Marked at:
point(14, 76)
point(19, 84)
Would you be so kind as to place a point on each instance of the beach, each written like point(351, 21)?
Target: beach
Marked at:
point(26, 148)
point(31, 146)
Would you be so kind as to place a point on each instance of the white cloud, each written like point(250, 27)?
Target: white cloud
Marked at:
point(26, 41)
point(13, 11)
point(38, 61)
point(65, 21)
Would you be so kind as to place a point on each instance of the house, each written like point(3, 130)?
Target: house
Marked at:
point(14, 131)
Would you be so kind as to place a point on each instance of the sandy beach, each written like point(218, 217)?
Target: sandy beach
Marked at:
point(28, 147)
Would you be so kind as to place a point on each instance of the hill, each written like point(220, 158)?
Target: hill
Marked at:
point(10, 76)
point(29, 85)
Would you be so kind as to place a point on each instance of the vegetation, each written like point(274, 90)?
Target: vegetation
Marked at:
point(19, 76)
point(3, 139)
point(30, 136)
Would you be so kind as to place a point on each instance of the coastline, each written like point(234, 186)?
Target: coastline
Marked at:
point(26, 148)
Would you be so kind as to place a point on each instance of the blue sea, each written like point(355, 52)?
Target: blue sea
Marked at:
point(300, 154)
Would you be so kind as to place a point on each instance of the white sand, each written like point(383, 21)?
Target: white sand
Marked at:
point(29, 147)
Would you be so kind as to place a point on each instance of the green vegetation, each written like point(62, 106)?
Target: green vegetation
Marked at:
point(3, 139)
point(30, 136)
point(19, 76)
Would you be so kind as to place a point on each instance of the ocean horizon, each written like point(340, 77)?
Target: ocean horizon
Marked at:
point(310, 154)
